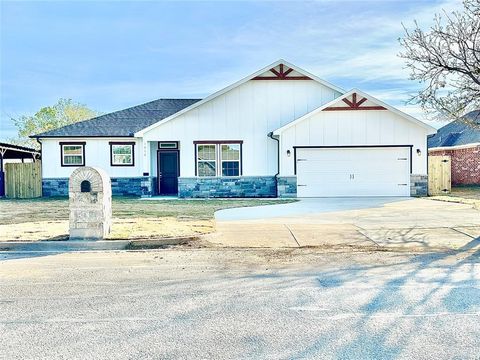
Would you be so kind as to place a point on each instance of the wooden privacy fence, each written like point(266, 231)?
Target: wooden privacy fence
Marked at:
point(23, 180)
point(439, 175)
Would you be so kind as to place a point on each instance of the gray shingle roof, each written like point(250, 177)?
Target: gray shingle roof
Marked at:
point(124, 122)
point(458, 132)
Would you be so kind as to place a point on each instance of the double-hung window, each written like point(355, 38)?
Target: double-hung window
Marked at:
point(217, 158)
point(207, 159)
point(122, 154)
point(72, 154)
point(230, 159)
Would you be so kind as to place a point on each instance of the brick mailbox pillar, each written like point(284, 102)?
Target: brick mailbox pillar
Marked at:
point(90, 201)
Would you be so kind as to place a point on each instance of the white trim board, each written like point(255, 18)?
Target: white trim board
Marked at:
point(5, 148)
point(456, 147)
point(234, 85)
point(370, 98)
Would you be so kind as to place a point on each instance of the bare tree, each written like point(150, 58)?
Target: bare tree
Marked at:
point(445, 59)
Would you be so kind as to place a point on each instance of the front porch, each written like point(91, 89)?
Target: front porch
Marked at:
point(166, 176)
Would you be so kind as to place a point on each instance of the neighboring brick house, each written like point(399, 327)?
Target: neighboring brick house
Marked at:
point(460, 139)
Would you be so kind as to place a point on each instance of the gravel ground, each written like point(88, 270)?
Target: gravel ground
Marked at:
point(239, 304)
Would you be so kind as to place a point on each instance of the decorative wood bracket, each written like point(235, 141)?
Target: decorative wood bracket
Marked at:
point(354, 105)
point(281, 74)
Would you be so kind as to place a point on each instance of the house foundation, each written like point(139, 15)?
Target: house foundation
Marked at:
point(227, 187)
point(122, 186)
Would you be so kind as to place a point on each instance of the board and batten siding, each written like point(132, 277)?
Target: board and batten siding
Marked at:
point(248, 113)
point(360, 127)
point(97, 153)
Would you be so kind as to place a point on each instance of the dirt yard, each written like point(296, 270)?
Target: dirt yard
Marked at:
point(133, 218)
point(467, 194)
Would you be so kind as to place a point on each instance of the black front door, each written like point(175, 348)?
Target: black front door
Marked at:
point(168, 172)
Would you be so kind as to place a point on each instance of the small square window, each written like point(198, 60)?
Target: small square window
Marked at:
point(72, 154)
point(122, 154)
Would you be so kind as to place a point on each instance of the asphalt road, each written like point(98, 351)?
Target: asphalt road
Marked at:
point(238, 304)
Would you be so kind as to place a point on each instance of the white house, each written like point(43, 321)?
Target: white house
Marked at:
point(281, 131)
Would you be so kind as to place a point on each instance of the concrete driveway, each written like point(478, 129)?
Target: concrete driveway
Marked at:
point(411, 223)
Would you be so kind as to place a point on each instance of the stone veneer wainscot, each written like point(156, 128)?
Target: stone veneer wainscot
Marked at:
point(227, 187)
point(136, 186)
point(245, 186)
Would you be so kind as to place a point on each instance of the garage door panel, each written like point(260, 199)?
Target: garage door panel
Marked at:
point(353, 172)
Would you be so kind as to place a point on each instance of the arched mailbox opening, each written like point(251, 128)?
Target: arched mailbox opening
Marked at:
point(85, 186)
point(90, 193)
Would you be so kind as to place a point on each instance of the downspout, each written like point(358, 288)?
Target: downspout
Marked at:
point(270, 135)
point(38, 141)
point(41, 164)
point(2, 175)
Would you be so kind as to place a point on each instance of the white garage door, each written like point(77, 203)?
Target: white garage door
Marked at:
point(329, 172)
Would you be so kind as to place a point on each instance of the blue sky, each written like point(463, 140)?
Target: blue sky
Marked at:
point(116, 54)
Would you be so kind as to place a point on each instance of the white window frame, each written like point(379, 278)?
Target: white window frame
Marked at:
point(63, 155)
point(218, 158)
point(112, 154)
point(220, 171)
point(168, 145)
point(199, 161)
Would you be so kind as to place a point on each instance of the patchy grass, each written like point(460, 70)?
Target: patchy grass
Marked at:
point(201, 209)
point(50, 209)
point(47, 218)
point(467, 194)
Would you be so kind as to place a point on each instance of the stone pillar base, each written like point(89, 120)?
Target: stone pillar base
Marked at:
point(287, 186)
point(418, 185)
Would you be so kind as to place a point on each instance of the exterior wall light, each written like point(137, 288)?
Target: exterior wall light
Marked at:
point(419, 152)
point(288, 153)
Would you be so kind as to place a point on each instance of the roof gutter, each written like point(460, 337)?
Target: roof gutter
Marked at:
point(454, 147)
point(32, 151)
point(79, 136)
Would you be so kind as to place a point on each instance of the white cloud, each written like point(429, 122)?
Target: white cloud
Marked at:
point(352, 48)
point(331, 42)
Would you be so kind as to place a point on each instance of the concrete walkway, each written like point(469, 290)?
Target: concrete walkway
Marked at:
point(420, 224)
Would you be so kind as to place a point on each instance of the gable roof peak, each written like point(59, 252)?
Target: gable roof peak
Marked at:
point(380, 105)
point(305, 73)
